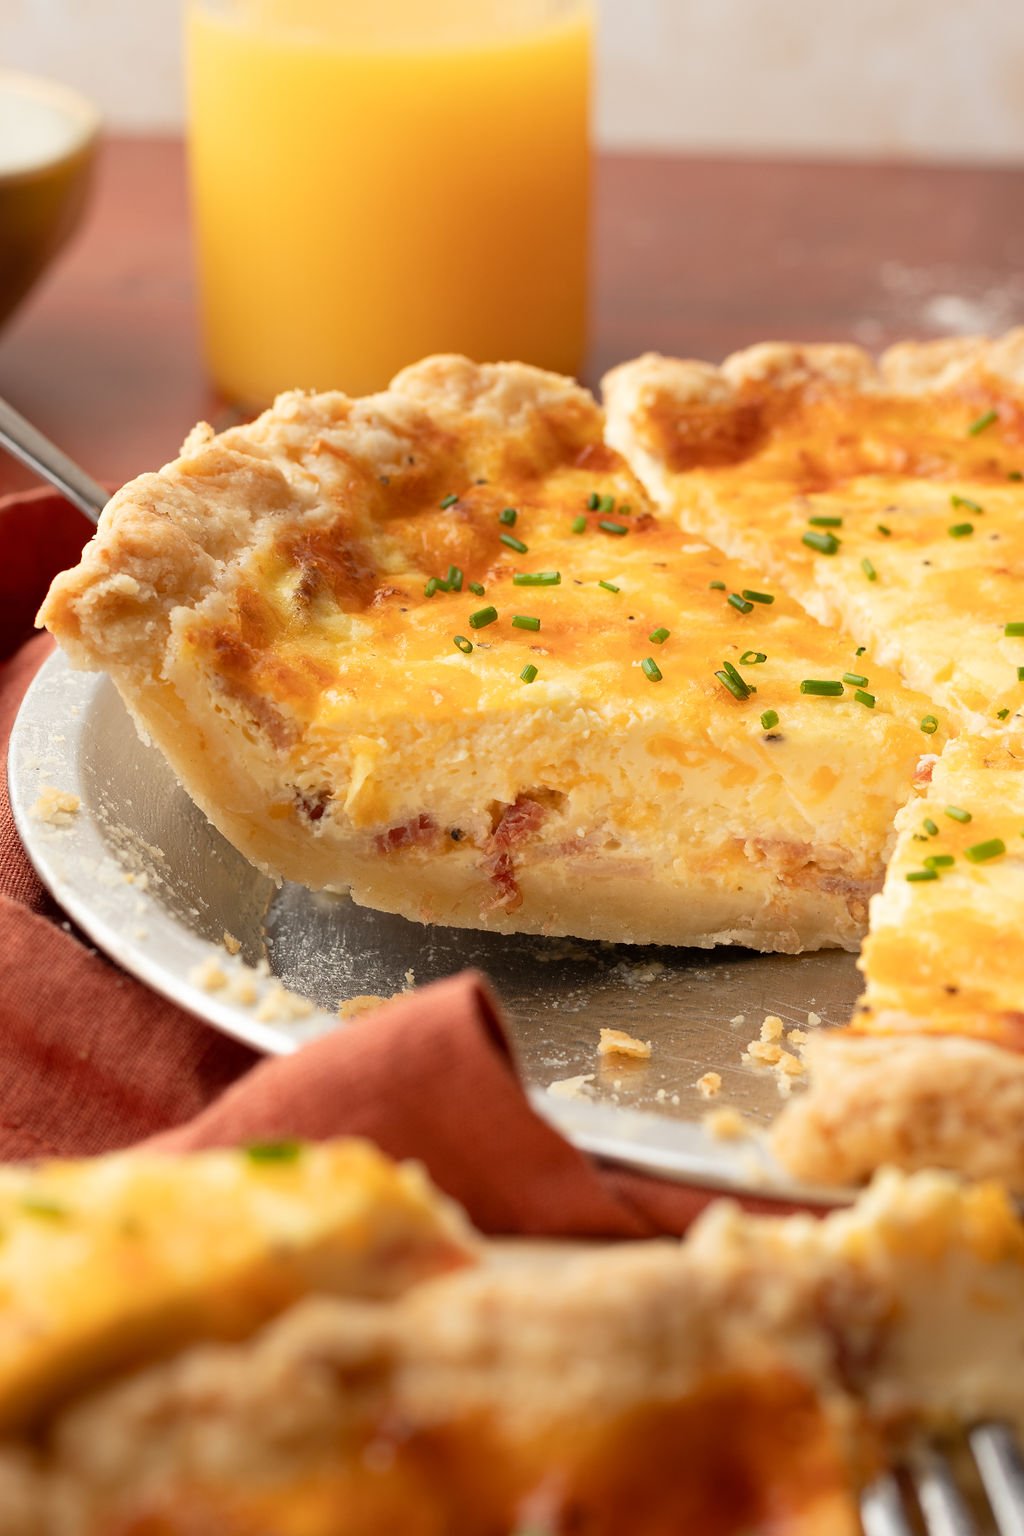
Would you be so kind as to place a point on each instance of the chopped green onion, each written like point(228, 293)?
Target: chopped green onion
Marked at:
point(524, 621)
point(929, 725)
point(855, 679)
point(476, 589)
point(728, 667)
point(593, 501)
point(511, 542)
point(1020, 674)
point(960, 530)
point(659, 636)
point(435, 584)
point(606, 504)
point(769, 719)
point(528, 673)
point(956, 502)
point(739, 603)
point(957, 814)
point(930, 827)
point(650, 669)
point(860, 650)
point(609, 586)
point(939, 861)
point(824, 543)
point(822, 687)
point(922, 874)
point(981, 852)
point(273, 1151)
point(867, 699)
point(758, 597)
point(537, 579)
point(884, 531)
point(508, 516)
point(449, 501)
point(825, 522)
point(464, 645)
point(716, 586)
point(608, 526)
point(987, 420)
point(1001, 714)
point(482, 618)
point(454, 579)
point(1015, 474)
point(735, 684)
point(752, 658)
point(869, 570)
point(1014, 629)
point(579, 524)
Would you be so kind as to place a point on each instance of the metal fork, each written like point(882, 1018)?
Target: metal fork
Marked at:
point(941, 1507)
point(26, 443)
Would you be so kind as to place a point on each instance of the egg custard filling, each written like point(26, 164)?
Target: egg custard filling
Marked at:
point(437, 648)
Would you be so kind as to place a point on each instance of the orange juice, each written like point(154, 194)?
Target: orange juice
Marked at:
point(375, 180)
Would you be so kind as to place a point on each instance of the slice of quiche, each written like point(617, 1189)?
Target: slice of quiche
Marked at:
point(931, 1071)
point(887, 498)
point(435, 647)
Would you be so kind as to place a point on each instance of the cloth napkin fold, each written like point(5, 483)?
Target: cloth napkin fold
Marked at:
point(90, 1059)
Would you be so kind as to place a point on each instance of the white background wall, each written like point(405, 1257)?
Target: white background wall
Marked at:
point(908, 78)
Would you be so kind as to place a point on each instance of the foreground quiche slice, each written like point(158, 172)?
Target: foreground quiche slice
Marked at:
point(887, 498)
point(434, 647)
point(931, 1072)
point(749, 1380)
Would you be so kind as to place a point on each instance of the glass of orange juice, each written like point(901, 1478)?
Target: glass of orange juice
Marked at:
point(376, 180)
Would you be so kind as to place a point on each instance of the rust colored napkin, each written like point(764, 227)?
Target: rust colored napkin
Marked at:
point(91, 1060)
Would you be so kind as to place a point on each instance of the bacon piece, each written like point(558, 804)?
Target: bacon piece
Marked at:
point(925, 768)
point(517, 821)
point(414, 833)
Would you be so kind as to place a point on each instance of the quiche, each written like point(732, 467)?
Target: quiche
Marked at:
point(748, 1380)
point(931, 1070)
point(437, 648)
point(887, 498)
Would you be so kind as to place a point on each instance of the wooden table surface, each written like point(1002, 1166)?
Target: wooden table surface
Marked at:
point(691, 255)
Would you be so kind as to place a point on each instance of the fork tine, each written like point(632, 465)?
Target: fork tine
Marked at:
point(942, 1504)
point(1002, 1472)
point(882, 1512)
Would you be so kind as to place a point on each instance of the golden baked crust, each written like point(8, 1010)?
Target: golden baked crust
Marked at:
point(749, 1378)
point(929, 439)
point(268, 607)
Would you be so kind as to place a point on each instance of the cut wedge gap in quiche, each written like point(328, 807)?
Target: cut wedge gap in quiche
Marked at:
point(436, 648)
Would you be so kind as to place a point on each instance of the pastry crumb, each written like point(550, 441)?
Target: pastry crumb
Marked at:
point(58, 807)
point(797, 1037)
point(615, 1042)
point(410, 979)
point(740, 1018)
point(363, 1002)
point(726, 1124)
point(763, 1053)
point(242, 988)
point(209, 975)
point(814, 1019)
point(771, 1027)
point(280, 1005)
point(710, 1085)
point(570, 1087)
point(231, 944)
point(791, 1065)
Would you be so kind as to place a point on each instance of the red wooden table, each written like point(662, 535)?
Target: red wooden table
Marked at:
point(690, 255)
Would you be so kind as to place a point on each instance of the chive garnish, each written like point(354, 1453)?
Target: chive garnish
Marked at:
point(528, 673)
point(825, 522)
point(981, 852)
point(482, 618)
point(960, 530)
point(273, 1151)
point(939, 861)
point(956, 502)
point(758, 597)
point(739, 603)
point(1020, 674)
point(449, 501)
point(988, 419)
point(537, 579)
point(821, 687)
point(609, 586)
point(508, 516)
point(476, 589)
point(735, 684)
point(769, 719)
point(956, 814)
point(511, 542)
point(1015, 474)
point(824, 543)
point(860, 650)
point(869, 570)
point(867, 699)
point(929, 725)
point(464, 645)
point(608, 526)
point(454, 579)
point(579, 524)
point(650, 669)
point(524, 621)
point(1001, 714)
point(855, 679)
point(593, 501)
point(716, 586)
point(884, 531)
point(606, 504)
point(1014, 629)
point(659, 636)
point(922, 874)
point(930, 827)
point(435, 584)
point(753, 658)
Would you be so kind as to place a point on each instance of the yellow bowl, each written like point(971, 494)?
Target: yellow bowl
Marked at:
point(48, 140)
